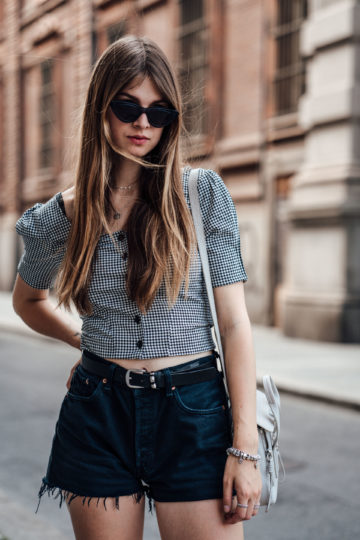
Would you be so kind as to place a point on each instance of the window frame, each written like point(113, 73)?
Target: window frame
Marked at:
point(289, 79)
point(202, 144)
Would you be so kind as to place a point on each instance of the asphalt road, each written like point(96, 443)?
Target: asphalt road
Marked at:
point(319, 499)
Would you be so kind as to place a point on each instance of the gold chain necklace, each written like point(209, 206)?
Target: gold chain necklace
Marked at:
point(117, 215)
point(129, 186)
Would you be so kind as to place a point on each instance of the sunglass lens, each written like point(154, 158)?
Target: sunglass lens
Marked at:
point(125, 111)
point(161, 117)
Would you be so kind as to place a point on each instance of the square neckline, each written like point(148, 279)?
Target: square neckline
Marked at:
point(61, 206)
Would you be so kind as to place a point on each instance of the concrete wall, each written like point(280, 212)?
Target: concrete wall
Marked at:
point(322, 293)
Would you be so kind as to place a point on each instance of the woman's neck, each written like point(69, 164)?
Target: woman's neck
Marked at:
point(124, 172)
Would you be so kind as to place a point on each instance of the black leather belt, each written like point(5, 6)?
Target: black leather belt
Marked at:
point(140, 378)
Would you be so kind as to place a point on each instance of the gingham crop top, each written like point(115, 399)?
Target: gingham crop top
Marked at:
point(117, 329)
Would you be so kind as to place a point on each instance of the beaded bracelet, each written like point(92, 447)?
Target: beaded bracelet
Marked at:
point(243, 455)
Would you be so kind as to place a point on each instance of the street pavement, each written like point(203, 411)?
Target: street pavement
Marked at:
point(327, 372)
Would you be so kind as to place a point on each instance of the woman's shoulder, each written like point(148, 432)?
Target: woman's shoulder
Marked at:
point(211, 186)
point(207, 177)
point(210, 180)
point(215, 200)
point(47, 221)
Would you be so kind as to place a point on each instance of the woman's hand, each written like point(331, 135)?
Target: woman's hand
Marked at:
point(247, 482)
point(68, 382)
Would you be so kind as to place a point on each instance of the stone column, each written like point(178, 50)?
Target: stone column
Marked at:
point(322, 289)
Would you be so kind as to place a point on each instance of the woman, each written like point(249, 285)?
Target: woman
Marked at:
point(145, 411)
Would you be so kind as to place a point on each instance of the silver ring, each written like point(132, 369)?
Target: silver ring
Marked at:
point(242, 505)
point(256, 505)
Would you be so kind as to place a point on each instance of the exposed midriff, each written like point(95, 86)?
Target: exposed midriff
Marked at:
point(154, 364)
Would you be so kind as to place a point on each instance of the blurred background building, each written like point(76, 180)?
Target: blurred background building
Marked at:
point(272, 94)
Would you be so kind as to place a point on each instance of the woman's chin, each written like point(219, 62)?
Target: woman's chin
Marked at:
point(139, 152)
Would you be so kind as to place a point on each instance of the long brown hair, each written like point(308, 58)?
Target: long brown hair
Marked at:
point(160, 230)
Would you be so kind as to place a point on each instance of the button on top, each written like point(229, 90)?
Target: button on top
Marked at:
point(121, 236)
point(137, 318)
point(125, 255)
point(139, 343)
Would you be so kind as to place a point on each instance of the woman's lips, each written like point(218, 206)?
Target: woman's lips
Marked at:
point(138, 140)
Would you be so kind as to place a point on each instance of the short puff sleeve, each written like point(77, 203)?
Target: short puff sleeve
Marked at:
point(44, 229)
point(221, 230)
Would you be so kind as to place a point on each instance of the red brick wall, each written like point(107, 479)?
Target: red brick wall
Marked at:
point(238, 94)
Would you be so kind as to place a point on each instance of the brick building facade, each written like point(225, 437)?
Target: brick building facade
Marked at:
point(252, 114)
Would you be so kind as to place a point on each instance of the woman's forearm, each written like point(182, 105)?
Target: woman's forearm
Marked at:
point(43, 317)
point(241, 379)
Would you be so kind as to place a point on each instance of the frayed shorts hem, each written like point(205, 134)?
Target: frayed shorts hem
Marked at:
point(69, 495)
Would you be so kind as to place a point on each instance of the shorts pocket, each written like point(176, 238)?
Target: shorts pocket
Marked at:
point(84, 385)
point(206, 397)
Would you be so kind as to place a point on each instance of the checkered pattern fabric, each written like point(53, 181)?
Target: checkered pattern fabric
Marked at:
point(117, 329)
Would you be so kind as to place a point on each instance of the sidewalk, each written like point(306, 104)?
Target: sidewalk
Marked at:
point(325, 371)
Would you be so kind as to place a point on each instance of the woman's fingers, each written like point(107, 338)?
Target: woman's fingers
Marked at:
point(250, 509)
point(242, 507)
point(256, 508)
point(68, 382)
point(227, 495)
point(245, 504)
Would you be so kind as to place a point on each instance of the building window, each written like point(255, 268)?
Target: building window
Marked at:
point(47, 114)
point(290, 66)
point(193, 67)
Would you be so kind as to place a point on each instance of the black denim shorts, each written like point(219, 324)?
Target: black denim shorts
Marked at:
point(112, 440)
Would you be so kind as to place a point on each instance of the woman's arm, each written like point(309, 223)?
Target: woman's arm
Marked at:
point(236, 340)
point(38, 312)
point(33, 304)
point(237, 344)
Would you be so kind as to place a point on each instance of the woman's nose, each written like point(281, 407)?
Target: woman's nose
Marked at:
point(142, 121)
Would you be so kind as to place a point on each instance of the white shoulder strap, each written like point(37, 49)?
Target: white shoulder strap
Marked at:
point(201, 240)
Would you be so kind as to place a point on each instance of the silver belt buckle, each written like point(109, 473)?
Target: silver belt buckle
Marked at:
point(128, 375)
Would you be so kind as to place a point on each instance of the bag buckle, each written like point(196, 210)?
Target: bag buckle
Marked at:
point(128, 375)
point(218, 361)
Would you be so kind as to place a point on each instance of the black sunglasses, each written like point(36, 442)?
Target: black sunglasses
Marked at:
point(128, 112)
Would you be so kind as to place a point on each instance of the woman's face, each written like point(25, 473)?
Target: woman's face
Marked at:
point(139, 137)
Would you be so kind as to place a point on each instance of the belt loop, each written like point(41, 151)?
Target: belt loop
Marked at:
point(110, 376)
point(168, 383)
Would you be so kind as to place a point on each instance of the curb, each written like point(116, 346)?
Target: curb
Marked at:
point(314, 396)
